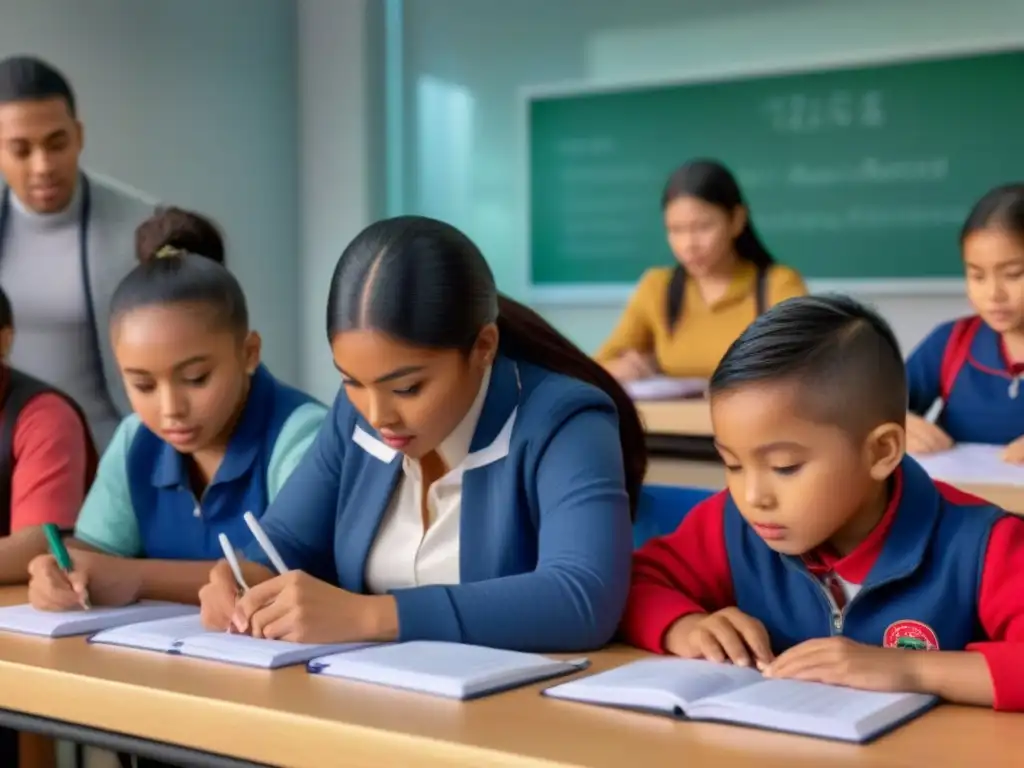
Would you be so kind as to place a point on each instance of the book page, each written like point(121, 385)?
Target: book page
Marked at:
point(663, 684)
point(972, 463)
point(258, 652)
point(27, 620)
point(160, 635)
point(812, 708)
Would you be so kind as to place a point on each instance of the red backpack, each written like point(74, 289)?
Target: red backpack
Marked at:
point(958, 349)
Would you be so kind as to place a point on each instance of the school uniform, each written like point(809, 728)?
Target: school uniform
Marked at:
point(529, 542)
point(142, 503)
point(47, 457)
point(980, 388)
point(695, 344)
point(943, 570)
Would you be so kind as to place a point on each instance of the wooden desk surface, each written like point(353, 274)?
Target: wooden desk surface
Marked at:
point(676, 417)
point(291, 719)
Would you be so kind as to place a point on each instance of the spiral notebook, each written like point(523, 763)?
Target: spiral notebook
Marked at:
point(452, 670)
point(26, 620)
point(704, 690)
point(185, 636)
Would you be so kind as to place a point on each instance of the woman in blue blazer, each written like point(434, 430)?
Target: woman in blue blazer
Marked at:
point(474, 481)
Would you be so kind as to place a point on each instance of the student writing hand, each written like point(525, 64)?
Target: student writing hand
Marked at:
point(302, 609)
point(95, 578)
point(841, 661)
point(1014, 453)
point(924, 437)
point(633, 366)
point(217, 598)
point(726, 635)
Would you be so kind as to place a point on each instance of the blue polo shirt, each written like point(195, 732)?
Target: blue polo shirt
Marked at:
point(142, 503)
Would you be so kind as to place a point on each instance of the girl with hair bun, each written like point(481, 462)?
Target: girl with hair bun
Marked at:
point(213, 433)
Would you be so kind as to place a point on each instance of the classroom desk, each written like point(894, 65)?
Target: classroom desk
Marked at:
point(136, 700)
point(707, 474)
point(678, 428)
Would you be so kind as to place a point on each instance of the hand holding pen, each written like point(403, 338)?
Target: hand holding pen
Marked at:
point(228, 581)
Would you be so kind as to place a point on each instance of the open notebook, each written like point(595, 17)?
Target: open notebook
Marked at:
point(665, 388)
point(27, 620)
point(703, 690)
point(972, 463)
point(185, 636)
point(452, 670)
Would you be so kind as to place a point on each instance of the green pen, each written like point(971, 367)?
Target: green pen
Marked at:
point(60, 553)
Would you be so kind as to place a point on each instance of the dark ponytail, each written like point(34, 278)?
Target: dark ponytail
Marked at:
point(424, 282)
point(527, 336)
point(181, 261)
point(713, 183)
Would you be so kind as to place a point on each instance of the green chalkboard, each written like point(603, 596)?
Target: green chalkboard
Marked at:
point(863, 172)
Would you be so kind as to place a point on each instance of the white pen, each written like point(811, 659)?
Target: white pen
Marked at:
point(265, 543)
point(229, 555)
point(934, 411)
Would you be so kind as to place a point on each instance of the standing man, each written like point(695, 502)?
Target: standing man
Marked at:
point(65, 242)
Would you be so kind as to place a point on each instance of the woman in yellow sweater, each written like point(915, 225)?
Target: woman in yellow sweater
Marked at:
point(680, 320)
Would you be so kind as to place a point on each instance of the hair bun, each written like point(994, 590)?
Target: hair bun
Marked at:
point(171, 232)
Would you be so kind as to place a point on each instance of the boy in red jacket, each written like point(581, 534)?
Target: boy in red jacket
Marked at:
point(832, 553)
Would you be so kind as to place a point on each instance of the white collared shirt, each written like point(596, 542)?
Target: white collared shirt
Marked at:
point(403, 555)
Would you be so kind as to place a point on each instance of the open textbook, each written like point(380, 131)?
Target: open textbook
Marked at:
point(452, 670)
point(665, 388)
point(185, 636)
point(704, 690)
point(27, 620)
point(972, 463)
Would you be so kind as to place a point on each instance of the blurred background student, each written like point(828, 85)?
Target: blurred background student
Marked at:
point(681, 319)
point(974, 365)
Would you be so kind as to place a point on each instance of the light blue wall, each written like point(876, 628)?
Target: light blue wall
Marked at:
point(193, 102)
point(464, 63)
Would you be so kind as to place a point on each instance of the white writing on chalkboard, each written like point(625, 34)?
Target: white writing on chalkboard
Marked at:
point(809, 113)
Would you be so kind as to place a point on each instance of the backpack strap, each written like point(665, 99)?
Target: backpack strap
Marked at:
point(958, 349)
point(761, 290)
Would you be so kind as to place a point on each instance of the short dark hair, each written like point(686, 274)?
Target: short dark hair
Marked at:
point(842, 354)
point(424, 282)
point(6, 313)
point(27, 78)
point(181, 257)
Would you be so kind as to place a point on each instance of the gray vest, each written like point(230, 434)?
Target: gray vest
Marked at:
point(114, 213)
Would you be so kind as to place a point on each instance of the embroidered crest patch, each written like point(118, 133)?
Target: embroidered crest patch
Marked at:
point(910, 635)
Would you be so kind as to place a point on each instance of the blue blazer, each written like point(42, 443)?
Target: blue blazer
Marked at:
point(545, 527)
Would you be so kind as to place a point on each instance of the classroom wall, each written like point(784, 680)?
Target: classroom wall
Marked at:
point(192, 102)
point(340, 154)
point(465, 61)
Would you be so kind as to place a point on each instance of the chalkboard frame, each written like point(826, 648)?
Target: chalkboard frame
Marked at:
point(599, 295)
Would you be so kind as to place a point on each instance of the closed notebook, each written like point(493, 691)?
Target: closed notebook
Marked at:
point(185, 636)
point(452, 670)
point(665, 388)
point(27, 620)
point(703, 690)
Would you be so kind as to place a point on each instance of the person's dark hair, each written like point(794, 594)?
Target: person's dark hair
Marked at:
point(712, 182)
point(181, 261)
point(843, 356)
point(426, 283)
point(27, 78)
point(6, 313)
point(999, 208)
